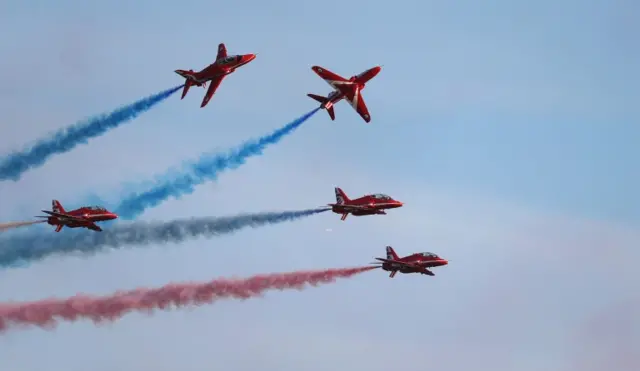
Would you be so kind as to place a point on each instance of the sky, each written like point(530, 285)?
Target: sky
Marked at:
point(509, 130)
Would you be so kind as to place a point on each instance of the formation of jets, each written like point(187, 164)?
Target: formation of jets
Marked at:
point(348, 89)
point(376, 204)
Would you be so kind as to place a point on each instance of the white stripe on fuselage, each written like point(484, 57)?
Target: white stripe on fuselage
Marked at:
point(334, 97)
point(334, 84)
point(81, 217)
point(354, 103)
point(367, 207)
point(227, 71)
point(400, 266)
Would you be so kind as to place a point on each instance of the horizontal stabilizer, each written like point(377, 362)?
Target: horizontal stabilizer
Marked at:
point(397, 262)
point(325, 103)
point(64, 216)
point(317, 98)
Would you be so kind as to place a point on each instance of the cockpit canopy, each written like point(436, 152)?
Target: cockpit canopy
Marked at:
point(380, 196)
point(429, 255)
point(228, 60)
point(96, 208)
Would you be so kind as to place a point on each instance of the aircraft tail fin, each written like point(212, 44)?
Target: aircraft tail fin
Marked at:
point(187, 85)
point(56, 207)
point(318, 98)
point(189, 77)
point(391, 253)
point(341, 197)
point(331, 113)
point(324, 103)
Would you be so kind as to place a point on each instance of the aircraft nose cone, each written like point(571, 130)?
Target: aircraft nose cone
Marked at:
point(250, 57)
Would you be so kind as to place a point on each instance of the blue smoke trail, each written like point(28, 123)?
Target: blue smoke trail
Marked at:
point(18, 250)
point(207, 167)
point(15, 164)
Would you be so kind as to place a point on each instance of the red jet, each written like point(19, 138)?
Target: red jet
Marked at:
point(415, 263)
point(84, 217)
point(345, 89)
point(215, 72)
point(365, 205)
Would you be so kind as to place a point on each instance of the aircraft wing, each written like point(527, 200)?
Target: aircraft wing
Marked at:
point(65, 216)
point(399, 262)
point(215, 82)
point(222, 51)
point(409, 265)
point(334, 80)
point(357, 102)
point(359, 207)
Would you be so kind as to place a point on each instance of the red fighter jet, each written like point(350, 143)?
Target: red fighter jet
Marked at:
point(84, 217)
point(345, 89)
point(215, 72)
point(415, 263)
point(366, 205)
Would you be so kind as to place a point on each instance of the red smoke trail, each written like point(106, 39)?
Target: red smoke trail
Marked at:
point(5, 226)
point(48, 312)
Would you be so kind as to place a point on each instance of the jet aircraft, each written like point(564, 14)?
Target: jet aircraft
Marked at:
point(348, 89)
point(84, 217)
point(215, 72)
point(366, 205)
point(414, 263)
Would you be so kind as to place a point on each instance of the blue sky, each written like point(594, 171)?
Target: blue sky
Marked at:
point(509, 129)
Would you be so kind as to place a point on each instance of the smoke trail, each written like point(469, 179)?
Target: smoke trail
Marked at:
point(5, 226)
point(34, 247)
point(207, 167)
point(17, 163)
point(48, 312)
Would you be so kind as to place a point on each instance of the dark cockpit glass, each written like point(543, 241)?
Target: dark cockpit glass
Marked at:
point(229, 59)
point(429, 255)
point(97, 208)
point(381, 196)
